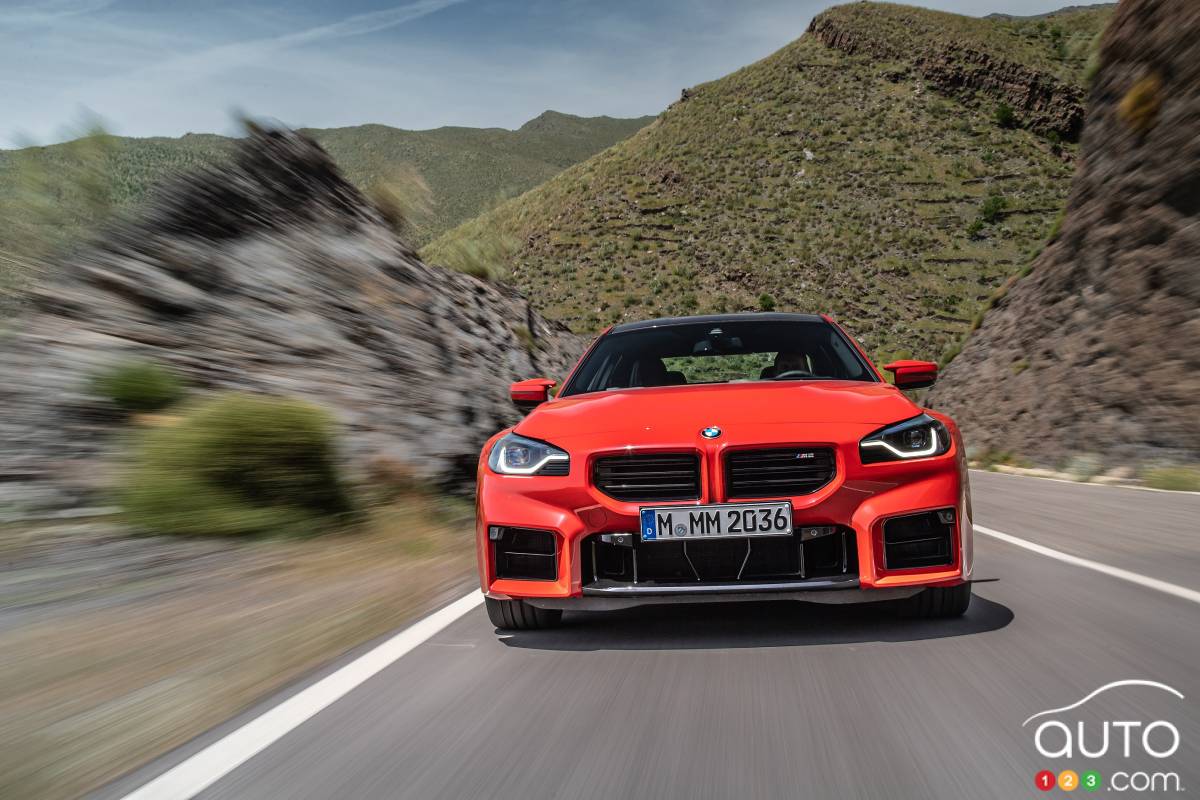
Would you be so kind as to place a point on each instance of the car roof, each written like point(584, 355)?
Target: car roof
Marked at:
point(711, 319)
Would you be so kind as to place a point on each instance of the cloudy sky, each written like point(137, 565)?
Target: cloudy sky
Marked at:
point(166, 67)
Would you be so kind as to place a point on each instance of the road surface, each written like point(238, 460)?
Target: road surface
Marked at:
point(772, 700)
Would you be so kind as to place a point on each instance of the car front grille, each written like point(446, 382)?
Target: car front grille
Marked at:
point(648, 477)
point(777, 472)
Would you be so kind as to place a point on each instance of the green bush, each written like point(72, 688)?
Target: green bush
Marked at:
point(766, 302)
point(1005, 117)
point(1176, 479)
point(237, 465)
point(139, 386)
point(989, 458)
point(993, 204)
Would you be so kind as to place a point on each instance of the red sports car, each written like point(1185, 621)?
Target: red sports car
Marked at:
point(719, 458)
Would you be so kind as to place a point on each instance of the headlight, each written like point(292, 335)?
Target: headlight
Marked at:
point(516, 455)
point(919, 437)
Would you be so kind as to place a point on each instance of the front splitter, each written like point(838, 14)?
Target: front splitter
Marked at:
point(612, 596)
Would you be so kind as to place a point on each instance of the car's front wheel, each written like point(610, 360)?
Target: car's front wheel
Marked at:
point(517, 615)
point(939, 602)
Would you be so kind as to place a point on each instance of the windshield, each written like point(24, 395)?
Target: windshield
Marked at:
point(722, 352)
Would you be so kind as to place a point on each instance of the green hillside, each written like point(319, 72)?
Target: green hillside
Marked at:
point(1056, 44)
point(820, 178)
point(467, 169)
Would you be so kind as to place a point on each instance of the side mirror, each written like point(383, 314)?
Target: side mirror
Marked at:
point(913, 374)
point(527, 395)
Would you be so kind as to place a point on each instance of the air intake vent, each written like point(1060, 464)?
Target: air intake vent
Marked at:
point(780, 472)
point(649, 477)
point(918, 540)
point(526, 554)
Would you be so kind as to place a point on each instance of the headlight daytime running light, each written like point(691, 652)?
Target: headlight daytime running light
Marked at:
point(516, 455)
point(919, 437)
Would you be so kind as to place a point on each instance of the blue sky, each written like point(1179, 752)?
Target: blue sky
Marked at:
point(166, 67)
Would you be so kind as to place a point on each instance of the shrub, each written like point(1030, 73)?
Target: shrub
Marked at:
point(1139, 107)
point(1176, 479)
point(1005, 117)
point(993, 204)
point(138, 386)
point(1084, 466)
point(989, 458)
point(766, 302)
point(950, 353)
point(237, 465)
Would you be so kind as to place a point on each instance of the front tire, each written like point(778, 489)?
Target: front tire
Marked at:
point(517, 615)
point(940, 602)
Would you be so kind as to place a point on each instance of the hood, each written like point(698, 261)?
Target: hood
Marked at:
point(679, 412)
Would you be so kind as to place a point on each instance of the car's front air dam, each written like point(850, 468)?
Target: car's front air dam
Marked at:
point(862, 500)
point(940, 490)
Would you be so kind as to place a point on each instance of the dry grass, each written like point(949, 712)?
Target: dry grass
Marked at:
point(1175, 479)
point(1139, 107)
point(103, 673)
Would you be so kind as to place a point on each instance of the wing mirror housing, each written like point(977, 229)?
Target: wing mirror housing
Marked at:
point(913, 374)
point(528, 395)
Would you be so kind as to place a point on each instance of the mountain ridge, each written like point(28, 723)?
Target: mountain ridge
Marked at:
point(466, 169)
point(818, 178)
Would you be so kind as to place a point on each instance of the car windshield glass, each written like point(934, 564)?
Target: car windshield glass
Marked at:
point(721, 352)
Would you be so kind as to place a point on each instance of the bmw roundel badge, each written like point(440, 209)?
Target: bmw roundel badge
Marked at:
point(711, 432)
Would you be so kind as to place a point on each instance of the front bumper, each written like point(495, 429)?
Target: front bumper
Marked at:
point(859, 500)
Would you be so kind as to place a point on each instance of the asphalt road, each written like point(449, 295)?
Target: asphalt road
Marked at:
point(780, 700)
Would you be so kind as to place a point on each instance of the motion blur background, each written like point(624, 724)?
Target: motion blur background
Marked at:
point(246, 369)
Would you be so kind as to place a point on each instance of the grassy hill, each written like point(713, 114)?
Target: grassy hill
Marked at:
point(824, 177)
point(467, 169)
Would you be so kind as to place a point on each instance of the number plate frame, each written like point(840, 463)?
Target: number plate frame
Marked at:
point(714, 521)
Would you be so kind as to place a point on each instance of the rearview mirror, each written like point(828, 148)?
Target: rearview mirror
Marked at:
point(527, 395)
point(913, 374)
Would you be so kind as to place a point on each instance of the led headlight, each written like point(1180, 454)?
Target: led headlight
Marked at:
point(919, 437)
point(516, 455)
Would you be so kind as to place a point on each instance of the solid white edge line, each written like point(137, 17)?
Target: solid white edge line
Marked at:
point(198, 772)
point(1115, 572)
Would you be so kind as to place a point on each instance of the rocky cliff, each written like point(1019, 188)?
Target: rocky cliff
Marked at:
point(1039, 100)
point(271, 274)
point(1098, 349)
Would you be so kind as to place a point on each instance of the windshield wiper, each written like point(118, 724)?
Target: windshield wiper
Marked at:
point(805, 378)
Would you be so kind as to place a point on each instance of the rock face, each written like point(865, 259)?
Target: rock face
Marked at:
point(274, 275)
point(1098, 348)
point(1039, 101)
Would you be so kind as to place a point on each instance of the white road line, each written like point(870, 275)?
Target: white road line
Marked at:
point(1115, 572)
point(198, 772)
point(195, 774)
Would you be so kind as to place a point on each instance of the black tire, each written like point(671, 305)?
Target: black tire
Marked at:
point(940, 602)
point(517, 615)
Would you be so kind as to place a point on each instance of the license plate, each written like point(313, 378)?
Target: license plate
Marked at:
point(723, 521)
